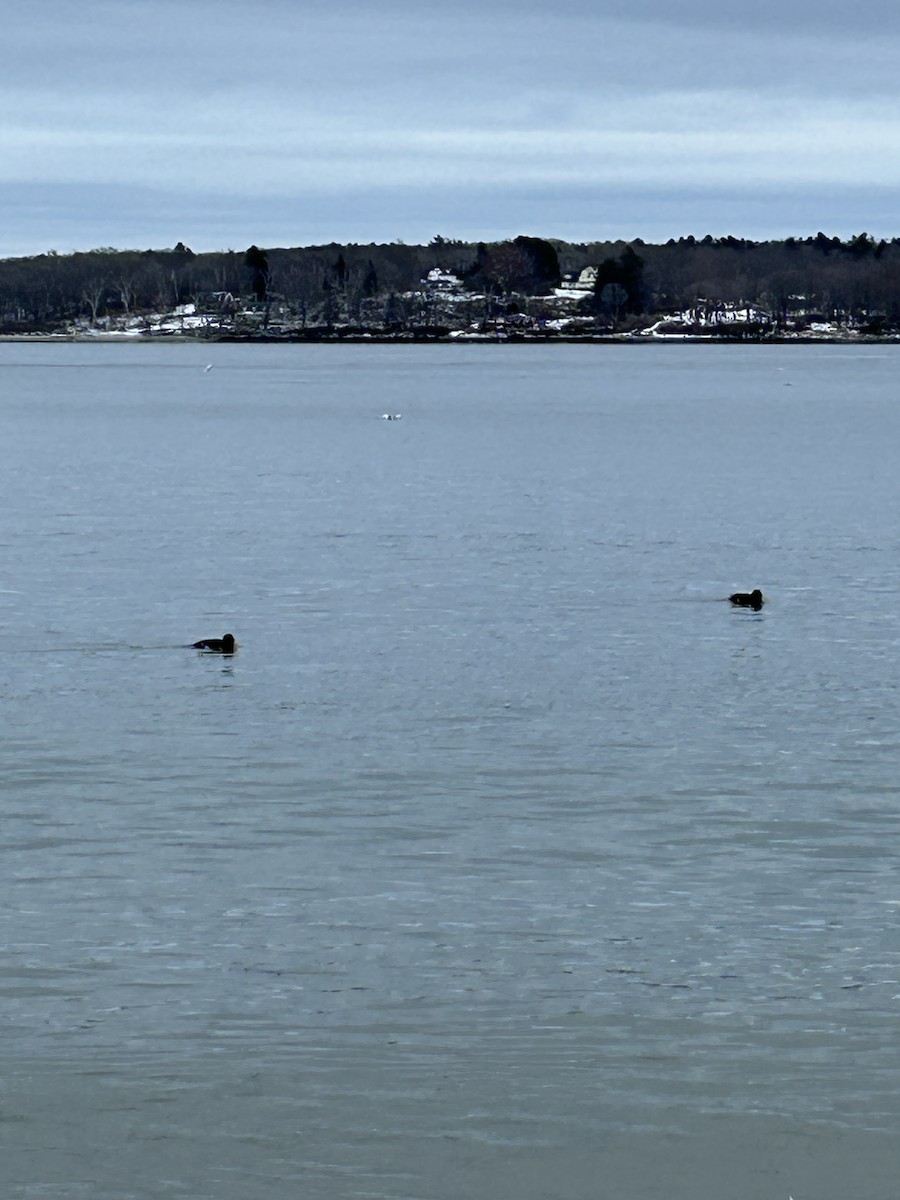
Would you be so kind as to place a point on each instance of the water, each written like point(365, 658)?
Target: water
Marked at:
point(504, 859)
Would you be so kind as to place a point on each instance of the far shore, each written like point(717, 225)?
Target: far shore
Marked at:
point(441, 339)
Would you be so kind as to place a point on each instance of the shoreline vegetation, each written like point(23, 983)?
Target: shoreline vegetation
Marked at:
point(528, 289)
point(375, 339)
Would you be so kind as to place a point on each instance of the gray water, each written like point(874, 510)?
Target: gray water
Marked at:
point(504, 859)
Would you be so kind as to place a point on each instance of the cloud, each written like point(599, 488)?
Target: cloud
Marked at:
point(298, 100)
point(674, 139)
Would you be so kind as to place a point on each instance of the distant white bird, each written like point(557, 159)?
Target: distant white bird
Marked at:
point(208, 367)
point(392, 417)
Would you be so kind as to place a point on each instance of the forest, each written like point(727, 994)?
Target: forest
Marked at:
point(329, 290)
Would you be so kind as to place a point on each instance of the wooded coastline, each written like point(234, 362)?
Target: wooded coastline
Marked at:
point(528, 288)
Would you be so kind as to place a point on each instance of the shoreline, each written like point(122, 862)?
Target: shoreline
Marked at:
point(518, 339)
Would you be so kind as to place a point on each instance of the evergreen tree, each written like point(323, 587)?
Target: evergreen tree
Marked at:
point(626, 272)
point(258, 265)
point(370, 281)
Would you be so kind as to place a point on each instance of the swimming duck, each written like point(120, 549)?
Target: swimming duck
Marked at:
point(222, 645)
point(752, 599)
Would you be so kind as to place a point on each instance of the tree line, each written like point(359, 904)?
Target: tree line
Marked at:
point(852, 281)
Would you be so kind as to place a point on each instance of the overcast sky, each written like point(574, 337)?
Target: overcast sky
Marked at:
point(293, 122)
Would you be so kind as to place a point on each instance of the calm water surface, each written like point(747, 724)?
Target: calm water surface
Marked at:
point(504, 859)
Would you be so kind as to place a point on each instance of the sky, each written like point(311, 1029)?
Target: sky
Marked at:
point(143, 123)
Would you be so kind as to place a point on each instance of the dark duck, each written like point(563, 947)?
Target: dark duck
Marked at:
point(752, 599)
point(222, 645)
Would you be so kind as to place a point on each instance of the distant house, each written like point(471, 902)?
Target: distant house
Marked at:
point(574, 288)
point(439, 280)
